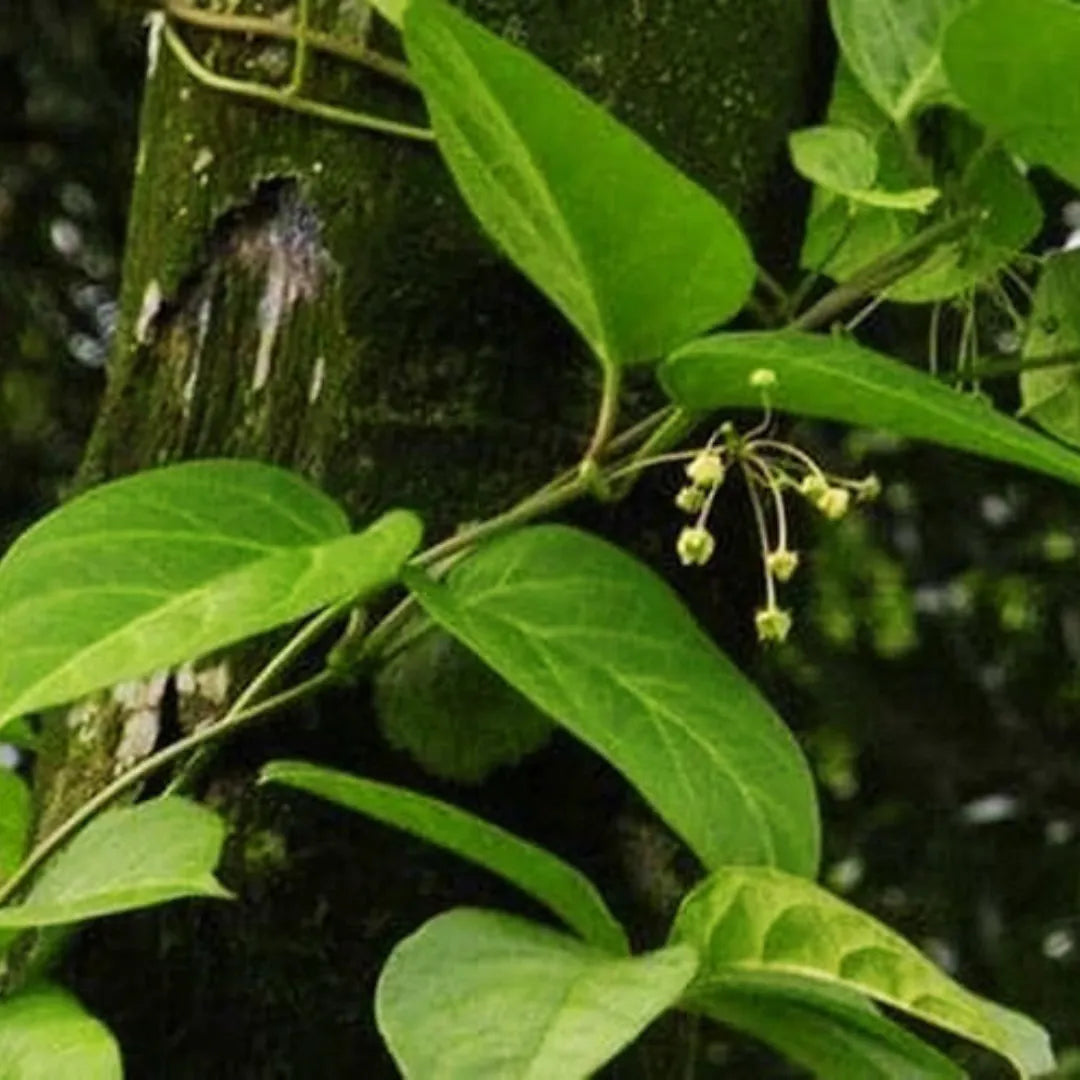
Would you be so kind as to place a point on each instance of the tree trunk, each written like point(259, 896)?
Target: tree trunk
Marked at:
point(309, 294)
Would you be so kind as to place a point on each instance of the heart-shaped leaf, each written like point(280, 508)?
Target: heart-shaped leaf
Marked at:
point(476, 993)
point(603, 646)
point(1012, 64)
point(756, 921)
point(125, 859)
point(835, 379)
point(45, 1034)
point(535, 871)
point(637, 256)
point(169, 565)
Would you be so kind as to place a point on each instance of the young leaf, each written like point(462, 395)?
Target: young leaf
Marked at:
point(843, 160)
point(168, 565)
point(15, 811)
point(567, 892)
point(835, 379)
point(45, 1034)
point(451, 712)
point(1009, 218)
point(130, 858)
point(1011, 64)
point(604, 647)
point(760, 921)
point(894, 47)
point(1051, 395)
point(637, 256)
point(476, 993)
point(826, 1028)
point(838, 242)
point(838, 158)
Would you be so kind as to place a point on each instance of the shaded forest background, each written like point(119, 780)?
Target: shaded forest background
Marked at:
point(934, 670)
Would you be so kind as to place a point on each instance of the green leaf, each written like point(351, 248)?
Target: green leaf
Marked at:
point(754, 920)
point(1009, 218)
point(894, 47)
point(126, 859)
point(602, 645)
point(15, 812)
point(835, 379)
point(535, 871)
point(45, 1034)
point(841, 239)
point(479, 994)
point(637, 256)
point(844, 160)
point(1051, 396)
point(1012, 64)
point(838, 158)
point(826, 1028)
point(169, 565)
point(452, 713)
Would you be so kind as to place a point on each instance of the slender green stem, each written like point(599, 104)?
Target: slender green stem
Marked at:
point(534, 506)
point(763, 534)
point(230, 722)
point(256, 26)
point(773, 288)
point(935, 337)
point(993, 369)
point(643, 429)
point(260, 92)
point(306, 636)
point(883, 272)
point(806, 286)
point(608, 415)
point(301, 50)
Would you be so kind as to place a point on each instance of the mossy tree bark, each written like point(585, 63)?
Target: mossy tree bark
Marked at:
point(316, 296)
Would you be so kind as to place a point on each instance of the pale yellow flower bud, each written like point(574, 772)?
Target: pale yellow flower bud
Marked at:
point(813, 486)
point(834, 502)
point(695, 545)
point(869, 488)
point(772, 623)
point(690, 499)
point(782, 563)
point(706, 470)
point(763, 378)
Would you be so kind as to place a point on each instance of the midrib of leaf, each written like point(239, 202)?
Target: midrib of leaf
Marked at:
point(938, 409)
point(532, 639)
point(571, 252)
point(103, 644)
point(987, 1032)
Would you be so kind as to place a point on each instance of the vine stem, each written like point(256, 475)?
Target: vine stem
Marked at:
point(307, 635)
point(255, 26)
point(232, 720)
point(282, 99)
point(882, 272)
point(1003, 369)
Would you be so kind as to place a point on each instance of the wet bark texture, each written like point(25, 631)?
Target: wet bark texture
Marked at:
point(319, 297)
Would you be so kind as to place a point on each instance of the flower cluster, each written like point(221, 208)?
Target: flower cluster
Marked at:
point(771, 469)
